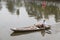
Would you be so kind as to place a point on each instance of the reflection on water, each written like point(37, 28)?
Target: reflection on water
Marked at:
point(23, 33)
point(29, 13)
point(43, 32)
point(17, 12)
point(35, 10)
point(10, 6)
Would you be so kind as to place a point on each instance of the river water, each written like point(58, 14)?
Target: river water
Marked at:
point(18, 13)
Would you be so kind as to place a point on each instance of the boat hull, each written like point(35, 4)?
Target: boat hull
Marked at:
point(25, 29)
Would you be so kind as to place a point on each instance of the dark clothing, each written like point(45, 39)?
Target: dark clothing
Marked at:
point(40, 26)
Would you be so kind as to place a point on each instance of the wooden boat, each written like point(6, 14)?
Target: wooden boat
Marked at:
point(30, 28)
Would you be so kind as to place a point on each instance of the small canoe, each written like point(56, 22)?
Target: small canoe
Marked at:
point(30, 28)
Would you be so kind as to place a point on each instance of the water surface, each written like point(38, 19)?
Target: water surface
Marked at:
point(20, 13)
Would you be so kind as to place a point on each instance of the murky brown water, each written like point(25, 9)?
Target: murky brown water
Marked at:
point(21, 14)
